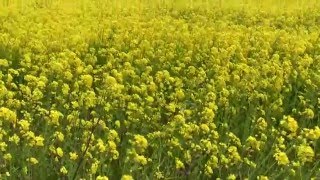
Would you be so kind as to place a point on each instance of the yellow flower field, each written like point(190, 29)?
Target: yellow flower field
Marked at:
point(159, 90)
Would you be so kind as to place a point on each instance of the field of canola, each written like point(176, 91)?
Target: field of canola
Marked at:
point(159, 92)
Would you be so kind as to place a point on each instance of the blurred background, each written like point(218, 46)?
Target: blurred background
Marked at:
point(273, 5)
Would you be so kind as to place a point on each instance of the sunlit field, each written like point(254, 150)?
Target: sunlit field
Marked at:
point(161, 89)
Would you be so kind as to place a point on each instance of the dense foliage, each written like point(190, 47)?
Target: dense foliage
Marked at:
point(159, 93)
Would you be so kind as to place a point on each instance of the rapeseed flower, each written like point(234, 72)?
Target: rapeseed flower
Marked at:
point(39, 141)
point(59, 136)
point(312, 134)
point(7, 156)
point(290, 124)
point(234, 155)
point(102, 178)
point(54, 117)
point(308, 113)
point(208, 171)
point(262, 124)
point(24, 124)
point(59, 152)
point(208, 114)
point(262, 178)
point(94, 167)
point(33, 160)
point(8, 115)
point(159, 175)
point(139, 159)
point(205, 128)
point(253, 143)
point(305, 153)
point(4, 63)
point(281, 158)
point(73, 156)
point(171, 107)
point(232, 177)
point(63, 170)
point(100, 145)
point(127, 177)
point(14, 138)
point(179, 164)
point(87, 80)
point(65, 89)
point(140, 143)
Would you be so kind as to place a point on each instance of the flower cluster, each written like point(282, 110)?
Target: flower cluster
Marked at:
point(151, 92)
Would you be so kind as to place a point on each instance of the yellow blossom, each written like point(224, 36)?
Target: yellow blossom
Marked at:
point(127, 177)
point(65, 89)
point(7, 157)
point(33, 160)
point(205, 128)
point(208, 114)
point(262, 124)
point(281, 158)
point(171, 107)
point(179, 164)
point(87, 80)
point(150, 99)
point(117, 124)
point(59, 136)
point(262, 178)
point(94, 167)
point(54, 117)
point(8, 115)
point(232, 177)
point(159, 175)
point(3, 146)
point(24, 124)
point(253, 143)
point(290, 124)
point(14, 138)
point(59, 152)
point(180, 94)
point(140, 142)
point(208, 171)
point(112, 145)
point(305, 153)
point(73, 155)
point(308, 113)
point(234, 156)
point(140, 159)
point(63, 170)
point(38, 141)
point(102, 178)
point(4, 63)
point(292, 172)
